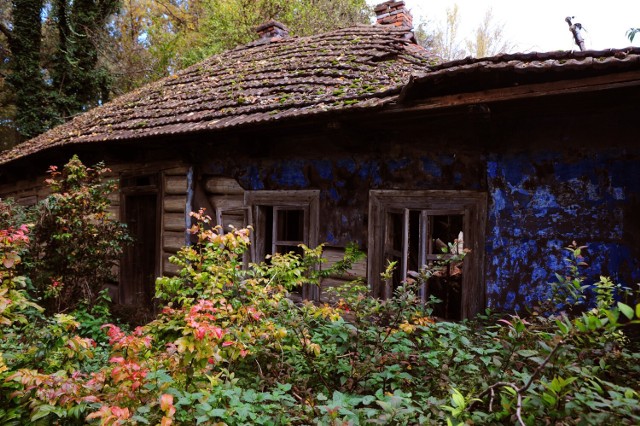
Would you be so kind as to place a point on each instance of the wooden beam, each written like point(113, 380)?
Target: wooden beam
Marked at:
point(564, 87)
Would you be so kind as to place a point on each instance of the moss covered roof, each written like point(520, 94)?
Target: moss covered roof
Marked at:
point(279, 79)
point(268, 80)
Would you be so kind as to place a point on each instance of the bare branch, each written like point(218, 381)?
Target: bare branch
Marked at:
point(519, 391)
point(542, 366)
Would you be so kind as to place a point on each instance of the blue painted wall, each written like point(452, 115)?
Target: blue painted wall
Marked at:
point(541, 197)
point(541, 202)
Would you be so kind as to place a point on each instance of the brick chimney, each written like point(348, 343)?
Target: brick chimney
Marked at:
point(393, 13)
point(272, 29)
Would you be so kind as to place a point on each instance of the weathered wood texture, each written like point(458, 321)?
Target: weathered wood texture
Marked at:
point(334, 282)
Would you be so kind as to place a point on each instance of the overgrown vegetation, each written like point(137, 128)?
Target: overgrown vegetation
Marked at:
point(76, 243)
point(229, 347)
point(52, 60)
point(63, 57)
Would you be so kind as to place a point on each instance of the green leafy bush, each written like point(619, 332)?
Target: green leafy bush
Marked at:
point(75, 243)
point(229, 347)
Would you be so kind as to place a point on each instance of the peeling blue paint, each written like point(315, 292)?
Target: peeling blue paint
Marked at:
point(371, 170)
point(543, 200)
point(348, 164)
point(291, 174)
point(331, 194)
point(431, 168)
point(324, 169)
point(535, 211)
point(252, 179)
point(330, 238)
point(457, 178)
point(447, 160)
point(538, 203)
point(499, 202)
point(492, 169)
point(395, 165)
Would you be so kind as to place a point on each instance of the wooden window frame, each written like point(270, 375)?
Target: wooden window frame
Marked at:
point(471, 204)
point(306, 200)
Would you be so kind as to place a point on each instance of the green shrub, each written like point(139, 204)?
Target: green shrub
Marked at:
point(230, 348)
point(75, 243)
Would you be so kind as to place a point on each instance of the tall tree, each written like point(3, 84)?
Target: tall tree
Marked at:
point(446, 42)
point(78, 82)
point(172, 34)
point(32, 115)
point(8, 134)
point(53, 68)
point(488, 38)
point(66, 56)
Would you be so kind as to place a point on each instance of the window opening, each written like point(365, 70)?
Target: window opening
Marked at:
point(422, 237)
point(283, 220)
point(417, 234)
point(138, 181)
point(288, 229)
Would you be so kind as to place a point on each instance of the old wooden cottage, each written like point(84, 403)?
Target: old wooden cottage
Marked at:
point(361, 135)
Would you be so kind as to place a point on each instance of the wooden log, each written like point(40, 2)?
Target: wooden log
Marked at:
point(42, 192)
point(174, 222)
point(168, 268)
point(227, 202)
point(113, 212)
point(173, 241)
point(335, 254)
point(327, 287)
point(223, 186)
point(176, 171)
point(175, 204)
point(174, 185)
point(27, 201)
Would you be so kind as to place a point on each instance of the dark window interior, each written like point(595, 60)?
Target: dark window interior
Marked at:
point(443, 229)
point(287, 226)
point(290, 225)
point(137, 181)
point(429, 233)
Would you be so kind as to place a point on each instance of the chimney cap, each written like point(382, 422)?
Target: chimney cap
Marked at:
point(269, 24)
point(383, 7)
point(272, 31)
point(393, 13)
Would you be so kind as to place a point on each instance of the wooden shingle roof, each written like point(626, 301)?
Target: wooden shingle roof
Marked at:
point(268, 80)
point(279, 79)
point(520, 69)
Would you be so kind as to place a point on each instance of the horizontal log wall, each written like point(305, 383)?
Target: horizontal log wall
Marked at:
point(338, 282)
point(174, 210)
point(227, 199)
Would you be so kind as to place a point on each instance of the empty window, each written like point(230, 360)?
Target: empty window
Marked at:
point(283, 220)
point(417, 228)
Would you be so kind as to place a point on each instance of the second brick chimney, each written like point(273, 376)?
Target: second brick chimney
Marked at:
point(393, 13)
point(272, 29)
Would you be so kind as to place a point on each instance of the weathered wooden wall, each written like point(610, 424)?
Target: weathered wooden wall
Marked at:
point(553, 173)
point(173, 186)
point(551, 178)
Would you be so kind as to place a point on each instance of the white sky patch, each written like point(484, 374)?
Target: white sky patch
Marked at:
point(539, 25)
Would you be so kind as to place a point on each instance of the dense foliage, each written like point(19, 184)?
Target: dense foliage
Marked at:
point(51, 60)
point(229, 347)
point(76, 243)
point(59, 58)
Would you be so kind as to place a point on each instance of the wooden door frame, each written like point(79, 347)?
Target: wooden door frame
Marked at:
point(154, 189)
